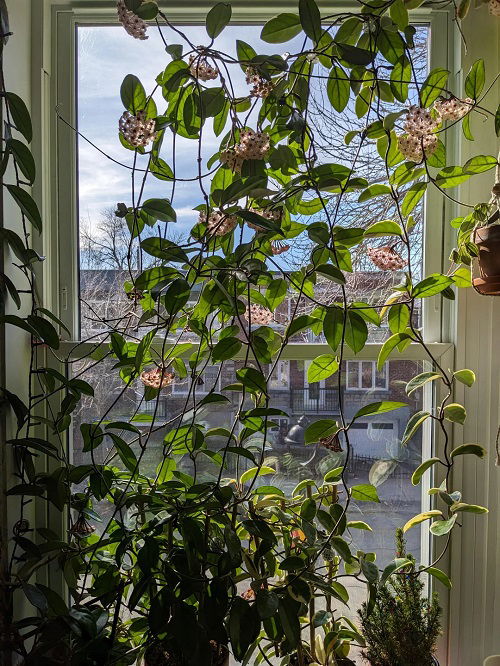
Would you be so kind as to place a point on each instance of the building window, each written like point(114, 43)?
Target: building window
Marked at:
point(279, 379)
point(364, 376)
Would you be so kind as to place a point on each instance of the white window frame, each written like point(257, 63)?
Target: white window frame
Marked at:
point(62, 288)
point(359, 386)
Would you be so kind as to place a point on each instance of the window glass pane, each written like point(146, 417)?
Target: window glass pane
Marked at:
point(353, 374)
point(366, 374)
point(107, 259)
point(381, 376)
point(377, 455)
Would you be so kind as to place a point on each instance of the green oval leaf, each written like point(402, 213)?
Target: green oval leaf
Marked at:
point(281, 28)
point(322, 367)
point(469, 449)
point(338, 88)
point(133, 94)
point(217, 19)
point(310, 19)
point(420, 518)
point(27, 205)
point(474, 82)
point(419, 472)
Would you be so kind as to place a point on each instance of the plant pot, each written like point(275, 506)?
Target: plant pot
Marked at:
point(156, 655)
point(487, 240)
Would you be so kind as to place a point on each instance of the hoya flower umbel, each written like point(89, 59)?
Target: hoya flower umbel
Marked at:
point(157, 378)
point(133, 24)
point(201, 69)
point(258, 314)
point(386, 258)
point(331, 443)
point(218, 222)
point(414, 148)
point(420, 122)
point(252, 145)
point(231, 159)
point(272, 214)
point(248, 595)
point(261, 87)
point(81, 528)
point(494, 7)
point(137, 130)
point(453, 108)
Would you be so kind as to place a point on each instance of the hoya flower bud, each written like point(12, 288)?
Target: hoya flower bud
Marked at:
point(494, 7)
point(420, 122)
point(252, 145)
point(201, 69)
point(231, 159)
point(279, 247)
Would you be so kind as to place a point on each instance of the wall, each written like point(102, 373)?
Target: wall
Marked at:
point(17, 71)
point(475, 551)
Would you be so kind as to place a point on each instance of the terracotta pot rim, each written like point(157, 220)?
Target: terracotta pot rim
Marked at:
point(486, 231)
point(489, 286)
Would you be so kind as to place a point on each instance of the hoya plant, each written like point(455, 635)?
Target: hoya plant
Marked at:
point(184, 568)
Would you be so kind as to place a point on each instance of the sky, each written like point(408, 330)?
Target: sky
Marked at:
point(105, 56)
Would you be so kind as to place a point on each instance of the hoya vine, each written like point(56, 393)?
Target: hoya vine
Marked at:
point(184, 570)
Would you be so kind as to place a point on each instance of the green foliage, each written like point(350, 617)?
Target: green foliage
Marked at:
point(403, 626)
point(175, 545)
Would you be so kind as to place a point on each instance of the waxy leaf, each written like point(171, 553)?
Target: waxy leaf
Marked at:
point(419, 472)
point(420, 518)
point(281, 29)
point(217, 19)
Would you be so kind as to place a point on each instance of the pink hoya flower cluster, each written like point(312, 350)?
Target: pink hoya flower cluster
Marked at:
point(260, 87)
point(218, 222)
point(258, 314)
point(133, 24)
point(157, 378)
point(273, 214)
point(494, 7)
point(386, 258)
point(252, 146)
point(453, 108)
point(201, 69)
point(419, 139)
point(137, 130)
point(421, 124)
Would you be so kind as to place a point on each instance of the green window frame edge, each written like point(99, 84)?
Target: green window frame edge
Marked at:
point(54, 85)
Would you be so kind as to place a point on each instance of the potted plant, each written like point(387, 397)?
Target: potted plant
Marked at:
point(487, 239)
point(402, 624)
point(479, 239)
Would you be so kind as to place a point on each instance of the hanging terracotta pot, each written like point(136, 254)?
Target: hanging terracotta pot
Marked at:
point(487, 240)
